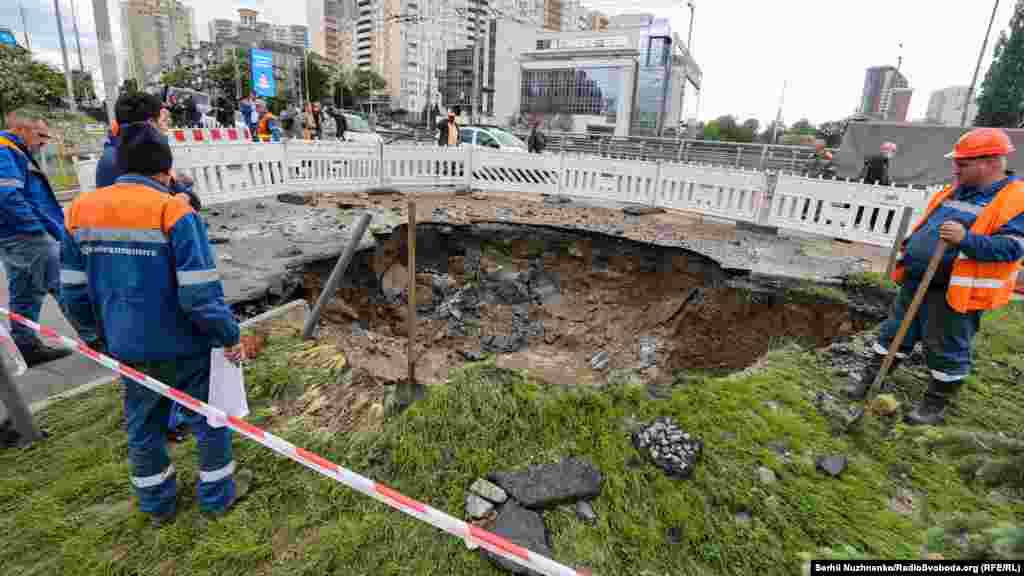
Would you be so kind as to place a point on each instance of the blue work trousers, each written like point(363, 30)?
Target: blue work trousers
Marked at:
point(32, 264)
point(147, 414)
point(947, 334)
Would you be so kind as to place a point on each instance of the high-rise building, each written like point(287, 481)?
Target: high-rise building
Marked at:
point(221, 28)
point(879, 83)
point(330, 28)
point(897, 104)
point(153, 32)
point(946, 106)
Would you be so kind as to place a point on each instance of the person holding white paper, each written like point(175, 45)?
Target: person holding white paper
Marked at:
point(138, 261)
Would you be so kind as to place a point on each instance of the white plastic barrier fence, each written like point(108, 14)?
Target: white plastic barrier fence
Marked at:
point(842, 209)
point(229, 168)
point(230, 172)
point(424, 164)
point(318, 166)
point(712, 191)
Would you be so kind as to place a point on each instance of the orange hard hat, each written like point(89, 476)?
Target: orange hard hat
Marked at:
point(982, 142)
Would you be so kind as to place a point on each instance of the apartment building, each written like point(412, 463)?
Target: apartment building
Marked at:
point(248, 19)
point(153, 32)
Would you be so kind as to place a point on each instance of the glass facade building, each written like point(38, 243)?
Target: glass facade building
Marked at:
point(589, 90)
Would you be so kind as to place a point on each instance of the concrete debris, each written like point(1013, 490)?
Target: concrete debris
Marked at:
point(549, 485)
point(585, 512)
point(599, 361)
point(648, 352)
point(488, 491)
point(833, 465)
point(556, 200)
point(504, 213)
point(288, 252)
point(524, 528)
point(289, 198)
point(477, 507)
point(641, 210)
point(669, 447)
point(765, 475)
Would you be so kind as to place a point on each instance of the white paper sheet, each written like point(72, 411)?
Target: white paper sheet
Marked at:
point(227, 388)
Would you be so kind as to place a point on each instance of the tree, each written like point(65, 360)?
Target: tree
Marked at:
point(179, 77)
point(24, 81)
point(225, 76)
point(318, 78)
point(366, 82)
point(753, 125)
point(802, 127)
point(1002, 92)
point(712, 130)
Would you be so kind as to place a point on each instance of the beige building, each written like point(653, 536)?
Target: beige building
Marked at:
point(153, 32)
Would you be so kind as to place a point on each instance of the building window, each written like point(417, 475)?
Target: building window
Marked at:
point(543, 44)
point(591, 90)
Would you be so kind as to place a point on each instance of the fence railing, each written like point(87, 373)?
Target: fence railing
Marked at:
point(226, 171)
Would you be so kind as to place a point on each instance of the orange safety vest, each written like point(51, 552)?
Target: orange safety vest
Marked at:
point(263, 129)
point(977, 285)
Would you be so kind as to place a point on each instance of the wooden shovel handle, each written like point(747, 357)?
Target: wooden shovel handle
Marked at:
point(908, 316)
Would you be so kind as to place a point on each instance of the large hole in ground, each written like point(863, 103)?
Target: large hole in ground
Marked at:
point(568, 307)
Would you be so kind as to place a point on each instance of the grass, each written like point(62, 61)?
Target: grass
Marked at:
point(59, 500)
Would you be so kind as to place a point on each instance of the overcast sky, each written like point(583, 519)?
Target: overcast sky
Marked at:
point(746, 48)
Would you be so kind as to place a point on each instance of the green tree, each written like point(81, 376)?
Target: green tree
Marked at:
point(803, 127)
point(225, 75)
point(24, 81)
point(712, 130)
point(1002, 92)
point(366, 82)
point(318, 79)
point(179, 77)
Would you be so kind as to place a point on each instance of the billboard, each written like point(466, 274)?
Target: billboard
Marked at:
point(6, 37)
point(261, 62)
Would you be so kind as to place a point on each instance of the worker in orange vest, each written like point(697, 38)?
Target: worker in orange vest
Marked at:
point(981, 217)
point(266, 129)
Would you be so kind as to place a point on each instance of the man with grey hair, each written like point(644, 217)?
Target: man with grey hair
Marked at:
point(31, 230)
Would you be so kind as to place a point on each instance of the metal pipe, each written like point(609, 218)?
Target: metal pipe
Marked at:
point(336, 274)
point(977, 67)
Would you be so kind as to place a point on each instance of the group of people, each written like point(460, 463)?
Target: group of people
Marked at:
point(312, 123)
point(131, 266)
point(874, 171)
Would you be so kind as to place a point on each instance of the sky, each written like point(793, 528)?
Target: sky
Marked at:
point(746, 49)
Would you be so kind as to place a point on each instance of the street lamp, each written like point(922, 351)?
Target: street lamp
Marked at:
point(689, 38)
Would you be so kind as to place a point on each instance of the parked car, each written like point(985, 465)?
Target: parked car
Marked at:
point(358, 130)
point(492, 137)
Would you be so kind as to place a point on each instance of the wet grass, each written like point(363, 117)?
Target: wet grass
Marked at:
point(65, 504)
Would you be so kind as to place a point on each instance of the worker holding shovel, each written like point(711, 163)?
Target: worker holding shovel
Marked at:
point(978, 227)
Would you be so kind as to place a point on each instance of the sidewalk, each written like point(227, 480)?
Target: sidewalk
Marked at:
point(41, 382)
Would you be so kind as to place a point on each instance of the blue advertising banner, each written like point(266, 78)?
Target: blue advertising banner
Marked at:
point(6, 37)
point(262, 66)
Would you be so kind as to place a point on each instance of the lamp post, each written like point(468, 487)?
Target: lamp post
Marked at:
point(977, 67)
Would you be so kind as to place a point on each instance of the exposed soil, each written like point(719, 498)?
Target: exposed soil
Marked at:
point(570, 308)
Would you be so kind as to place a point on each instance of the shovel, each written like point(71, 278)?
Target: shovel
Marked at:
point(857, 414)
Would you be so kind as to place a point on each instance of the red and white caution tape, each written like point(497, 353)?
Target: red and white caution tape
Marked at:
point(472, 535)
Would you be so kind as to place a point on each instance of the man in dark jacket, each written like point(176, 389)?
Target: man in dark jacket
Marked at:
point(448, 131)
point(31, 229)
point(536, 141)
point(876, 167)
point(107, 170)
point(138, 263)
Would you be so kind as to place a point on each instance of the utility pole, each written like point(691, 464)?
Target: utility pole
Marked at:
point(24, 26)
point(977, 67)
point(108, 60)
point(64, 53)
point(778, 116)
point(899, 59)
point(78, 39)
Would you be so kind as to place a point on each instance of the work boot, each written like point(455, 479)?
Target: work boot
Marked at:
point(36, 353)
point(932, 409)
point(243, 484)
point(859, 390)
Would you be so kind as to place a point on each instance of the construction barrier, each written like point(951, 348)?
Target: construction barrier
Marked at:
point(228, 168)
point(472, 535)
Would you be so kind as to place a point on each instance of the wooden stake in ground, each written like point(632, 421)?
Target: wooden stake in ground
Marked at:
point(406, 395)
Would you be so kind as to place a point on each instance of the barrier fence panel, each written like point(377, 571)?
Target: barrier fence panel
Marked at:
point(607, 179)
point(86, 169)
point(498, 171)
point(230, 172)
point(317, 166)
point(719, 192)
point(841, 209)
point(425, 165)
